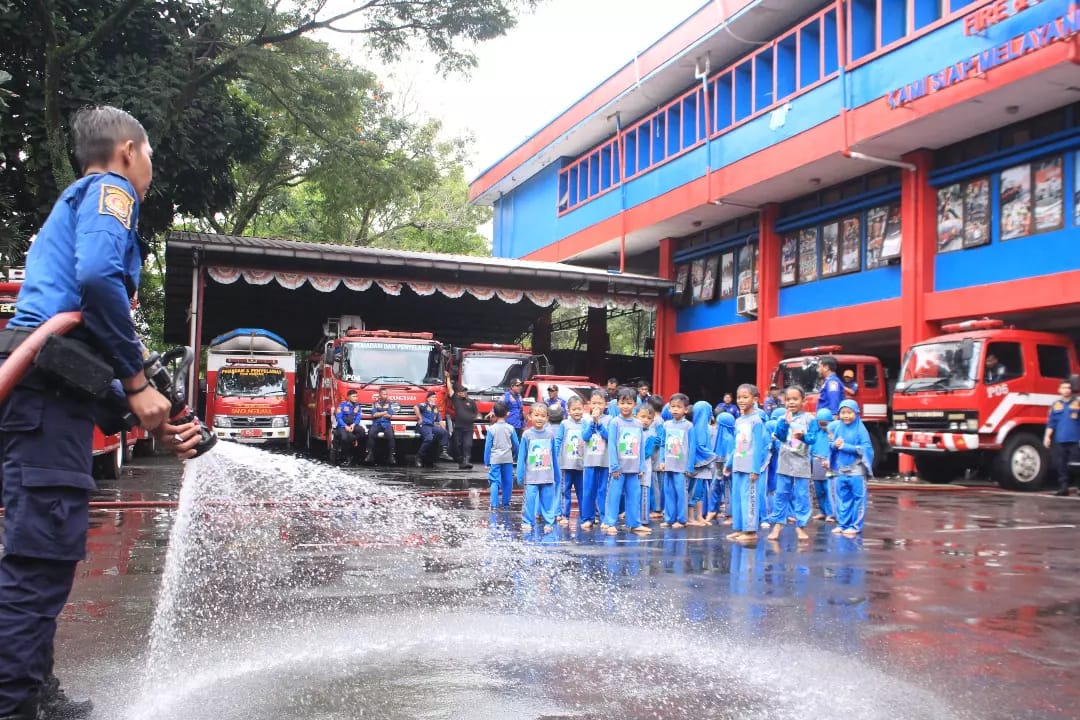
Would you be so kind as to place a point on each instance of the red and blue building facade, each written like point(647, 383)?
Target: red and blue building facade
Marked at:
point(851, 171)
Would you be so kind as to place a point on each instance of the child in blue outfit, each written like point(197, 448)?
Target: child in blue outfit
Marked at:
point(822, 492)
point(700, 485)
point(852, 459)
point(500, 447)
point(676, 445)
point(796, 432)
point(571, 451)
point(646, 415)
point(725, 441)
point(595, 436)
point(747, 465)
point(626, 462)
point(537, 468)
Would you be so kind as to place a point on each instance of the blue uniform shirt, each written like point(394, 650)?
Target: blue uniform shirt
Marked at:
point(832, 394)
point(429, 415)
point(514, 406)
point(347, 413)
point(86, 257)
point(383, 422)
point(1064, 420)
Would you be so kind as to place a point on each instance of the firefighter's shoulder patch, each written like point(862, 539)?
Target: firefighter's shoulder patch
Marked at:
point(118, 202)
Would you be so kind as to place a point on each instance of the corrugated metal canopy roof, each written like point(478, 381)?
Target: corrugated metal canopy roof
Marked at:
point(298, 314)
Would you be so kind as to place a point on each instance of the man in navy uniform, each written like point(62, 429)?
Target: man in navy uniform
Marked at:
point(1063, 434)
point(432, 429)
point(832, 391)
point(515, 406)
point(349, 433)
point(382, 410)
point(87, 257)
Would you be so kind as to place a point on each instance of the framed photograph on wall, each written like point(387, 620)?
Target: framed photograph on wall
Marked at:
point(708, 285)
point(1049, 194)
point(851, 244)
point(727, 275)
point(1016, 202)
point(755, 254)
point(697, 279)
point(808, 255)
point(789, 259)
point(745, 274)
point(682, 279)
point(830, 249)
point(950, 218)
point(890, 249)
point(876, 220)
point(976, 212)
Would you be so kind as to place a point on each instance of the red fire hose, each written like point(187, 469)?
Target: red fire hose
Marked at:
point(21, 358)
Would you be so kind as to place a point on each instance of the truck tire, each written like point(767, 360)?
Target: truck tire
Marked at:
point(1022, 464)
point(108, 465)
point(147, 447)
point(129, 448)
point(938, 469)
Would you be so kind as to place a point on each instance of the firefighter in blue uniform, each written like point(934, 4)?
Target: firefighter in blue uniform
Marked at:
point(382, 410)
point(832, 390)
point(1063, 434)
point(87, 257)
point(432, 429)
point(348, 432)
point(515, 406)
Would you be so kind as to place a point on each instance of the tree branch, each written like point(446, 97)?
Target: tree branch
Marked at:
point(311, 25)
point(106, 28)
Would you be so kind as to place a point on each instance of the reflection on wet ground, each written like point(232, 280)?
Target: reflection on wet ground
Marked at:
point(956, 604)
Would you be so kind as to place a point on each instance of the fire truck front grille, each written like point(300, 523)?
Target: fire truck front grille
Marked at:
point(403, 410)
point(241, 421)
point(937, 420)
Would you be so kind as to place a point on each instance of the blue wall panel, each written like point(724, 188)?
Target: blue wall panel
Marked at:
point(1009, 260)
point(709, 315)
point(842, 291)
point(931, 53)
point(527, 220)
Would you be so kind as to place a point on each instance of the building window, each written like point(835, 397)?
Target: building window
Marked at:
point(963, 215)
point(1004, 362)
point(1054, 361)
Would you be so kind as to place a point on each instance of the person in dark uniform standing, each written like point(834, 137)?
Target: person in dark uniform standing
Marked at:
point(1063, 434)
point(515, 405)
point(432, 429)
point(87, 257)
point(349, 433)
point(832, 391)
point(465, 412)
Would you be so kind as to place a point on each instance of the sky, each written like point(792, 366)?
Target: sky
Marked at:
point(525, 79)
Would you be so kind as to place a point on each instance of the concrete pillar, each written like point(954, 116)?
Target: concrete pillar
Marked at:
point(595, 365)
point(768, 352)
point(665, 364)
point(918, 224)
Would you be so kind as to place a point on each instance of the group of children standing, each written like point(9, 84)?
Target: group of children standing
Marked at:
point(676, 463)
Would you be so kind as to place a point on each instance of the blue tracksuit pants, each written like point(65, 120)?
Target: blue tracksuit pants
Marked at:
point(851, 493)
point(675, 497)
point(747, 496)
point(539, 501)
point(645, 502)
point(792, 499)
point(501, 480)
point(763, 499)
point(716, 495)
point(821, 494)
point(573, 482)
point(832, 485)
point(624, 486)
point(656, 502)
point(593, 486)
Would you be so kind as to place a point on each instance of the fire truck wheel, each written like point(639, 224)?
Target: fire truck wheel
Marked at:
point(1022, 463)
point(938, 469)
point(127, 447)
point(147, 447)
point(108, 465)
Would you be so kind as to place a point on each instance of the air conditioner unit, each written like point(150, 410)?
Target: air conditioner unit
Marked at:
point(746, 305)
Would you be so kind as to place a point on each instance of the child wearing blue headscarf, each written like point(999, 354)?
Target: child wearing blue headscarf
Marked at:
point(725, 440)
point(703, 459)
point(852, 459)
point(748, 462)
point(796, 432)
point(819, 467)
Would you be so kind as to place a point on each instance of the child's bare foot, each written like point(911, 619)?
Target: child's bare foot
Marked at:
point(604, 527)
point(819, 516)
point(830, 519)
point(642, 530)
point(850, 532)
point(611, 530)
point(665, 525)
point(564, 522)
point(710, 517)
point(526, 527)
point(801, 534)
point(747, 537)
point(656, 515)
point(727, 521)
point(775, 532)
point(764, 525)
point(698, 523)
point(837, 530)
point(586, 525)
point(678, 525)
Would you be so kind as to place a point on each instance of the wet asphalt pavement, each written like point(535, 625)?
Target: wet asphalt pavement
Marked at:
point(971, 595)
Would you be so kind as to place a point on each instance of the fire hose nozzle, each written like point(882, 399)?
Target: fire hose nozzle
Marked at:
point(171, 385)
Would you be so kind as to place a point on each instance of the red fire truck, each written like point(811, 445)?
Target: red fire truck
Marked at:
point(408, 365)
point(978, 397)
point(111, 452)
point(251, 387)
point(873, 396)
point(487, 369)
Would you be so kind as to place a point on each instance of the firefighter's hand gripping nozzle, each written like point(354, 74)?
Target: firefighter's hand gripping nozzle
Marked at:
point(171, 385)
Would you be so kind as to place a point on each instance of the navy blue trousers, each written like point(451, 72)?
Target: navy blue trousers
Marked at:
point(45, 459)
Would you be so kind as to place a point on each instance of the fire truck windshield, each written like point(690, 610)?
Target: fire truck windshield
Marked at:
point(801, 373)
point(390, 362)
point(250, 382)
point(493, 373)
point(941, 366)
